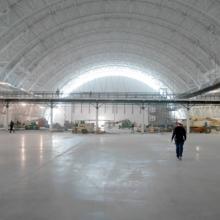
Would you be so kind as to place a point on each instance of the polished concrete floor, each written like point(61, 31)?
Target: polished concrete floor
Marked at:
point(61, 176)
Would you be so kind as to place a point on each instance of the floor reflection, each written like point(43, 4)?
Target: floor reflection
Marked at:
point(23, 151)
point(41, 148)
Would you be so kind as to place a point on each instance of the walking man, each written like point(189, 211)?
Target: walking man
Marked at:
point(132, 128)
point(11, 126)
point(179, 135)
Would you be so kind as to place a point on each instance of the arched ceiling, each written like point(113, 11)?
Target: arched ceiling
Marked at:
point(114, 84)
point(45, 43)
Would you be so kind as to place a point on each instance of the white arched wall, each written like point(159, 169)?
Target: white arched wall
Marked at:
point(113, 71)
point(111, 112)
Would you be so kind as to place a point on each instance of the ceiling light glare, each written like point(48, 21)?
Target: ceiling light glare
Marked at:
point(112, 71)
point(4, 83)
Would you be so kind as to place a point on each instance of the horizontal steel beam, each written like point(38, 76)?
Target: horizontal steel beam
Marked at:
point(89, 97)
point(119, 101)
point(200, 91)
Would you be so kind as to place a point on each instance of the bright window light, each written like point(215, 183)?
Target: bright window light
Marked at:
point(179, 114)
point(127, 72)
point(57, 112)
point(4, 83)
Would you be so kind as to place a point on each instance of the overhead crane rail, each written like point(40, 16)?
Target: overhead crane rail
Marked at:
point(107, 97)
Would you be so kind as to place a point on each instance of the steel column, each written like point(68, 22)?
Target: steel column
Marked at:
point(97, 118)
point(143, 119)
point(51, 116)
point(188, 120)
point(7, 116)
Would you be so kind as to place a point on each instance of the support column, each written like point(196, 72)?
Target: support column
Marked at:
point(143, 119)
point(71, 114)
point(188, 120)
point(97, 118)
point(51, 116)
point(114, 111)
point(147, 116)
point(7, 116)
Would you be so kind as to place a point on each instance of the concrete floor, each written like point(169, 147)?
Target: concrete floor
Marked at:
point(62, 176)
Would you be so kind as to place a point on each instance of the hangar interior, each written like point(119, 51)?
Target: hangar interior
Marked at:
point(94, 89)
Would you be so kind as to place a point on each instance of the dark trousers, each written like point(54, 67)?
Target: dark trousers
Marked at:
point(179, 149)
point(11, 129)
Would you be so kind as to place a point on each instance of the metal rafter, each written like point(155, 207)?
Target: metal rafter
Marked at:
point(33, 17)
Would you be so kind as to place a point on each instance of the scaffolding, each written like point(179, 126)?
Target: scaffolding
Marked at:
point(107, 97)
point(98, 99)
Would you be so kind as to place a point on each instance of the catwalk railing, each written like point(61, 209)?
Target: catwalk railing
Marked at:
point(107, 97)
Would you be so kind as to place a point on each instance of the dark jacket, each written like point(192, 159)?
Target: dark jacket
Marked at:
point(179, 134)
point(12, 124)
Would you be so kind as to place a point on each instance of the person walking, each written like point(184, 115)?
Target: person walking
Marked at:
point(132, 128)
point(11, 126)
point(179, 135)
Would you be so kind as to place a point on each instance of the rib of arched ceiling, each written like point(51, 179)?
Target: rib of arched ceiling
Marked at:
point(125, 39)
point(141, 64)
point(62, 67)
point(143, 34)
point(188, 30)
point(45, 43)
point(56, 66)
point(50, 36)
point(137, 44)
point(68, 68)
